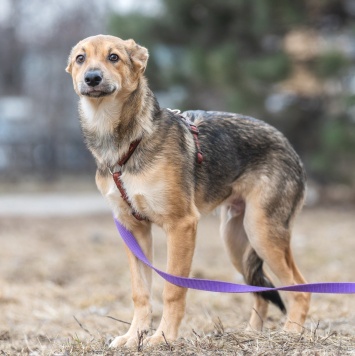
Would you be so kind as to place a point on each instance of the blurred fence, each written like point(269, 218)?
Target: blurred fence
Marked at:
point(44, 158)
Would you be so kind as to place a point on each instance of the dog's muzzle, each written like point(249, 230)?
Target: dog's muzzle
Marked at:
point(93, 78)
point(95, 86)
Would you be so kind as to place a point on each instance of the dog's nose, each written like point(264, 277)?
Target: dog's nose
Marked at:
point(93, 78)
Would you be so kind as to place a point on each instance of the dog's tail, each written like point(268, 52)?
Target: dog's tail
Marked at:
point(255, 276)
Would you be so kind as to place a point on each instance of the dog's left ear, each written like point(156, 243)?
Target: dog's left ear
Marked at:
point(139, 55)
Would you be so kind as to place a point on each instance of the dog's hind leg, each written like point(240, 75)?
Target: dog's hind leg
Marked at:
point(269, 235)
point(141, 280)
point(233, 233)
point(244, 259)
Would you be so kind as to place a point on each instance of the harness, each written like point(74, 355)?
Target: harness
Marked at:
point(117, 177)
point(194, 130)
point(132, 147)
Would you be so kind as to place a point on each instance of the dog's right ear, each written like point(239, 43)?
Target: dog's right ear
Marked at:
point(138, 54)
point(69, 67)
point(69, 63)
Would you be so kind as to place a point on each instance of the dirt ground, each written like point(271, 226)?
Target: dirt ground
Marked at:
point(64, 280)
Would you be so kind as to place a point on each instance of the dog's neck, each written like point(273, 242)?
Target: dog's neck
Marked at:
point(110, 124)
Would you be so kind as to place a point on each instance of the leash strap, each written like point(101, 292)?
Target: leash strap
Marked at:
point(227, 287)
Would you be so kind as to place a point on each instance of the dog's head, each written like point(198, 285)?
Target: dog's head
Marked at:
point(106, 65)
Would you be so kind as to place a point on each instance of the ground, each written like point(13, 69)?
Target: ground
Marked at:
point(65, 288)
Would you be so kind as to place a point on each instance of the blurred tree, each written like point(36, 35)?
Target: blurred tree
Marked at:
point(11, 55)
point(282, 61)
point(35, 40)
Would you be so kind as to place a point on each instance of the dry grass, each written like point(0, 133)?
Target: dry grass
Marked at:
point(217, 342)
point(61, 277)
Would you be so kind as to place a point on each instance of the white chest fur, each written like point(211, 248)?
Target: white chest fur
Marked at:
point(99, 121)
point(100, 117)
point(148, 187)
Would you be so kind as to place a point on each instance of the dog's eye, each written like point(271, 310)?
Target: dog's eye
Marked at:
point(113, 57)
point(80, 59)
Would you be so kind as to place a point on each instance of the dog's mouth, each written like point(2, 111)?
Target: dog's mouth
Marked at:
point(97, 92)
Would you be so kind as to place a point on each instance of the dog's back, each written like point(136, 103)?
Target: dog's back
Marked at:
point(242, 149)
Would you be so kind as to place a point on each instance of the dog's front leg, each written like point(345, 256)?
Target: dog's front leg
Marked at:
point(141, 280)
point(181, 244)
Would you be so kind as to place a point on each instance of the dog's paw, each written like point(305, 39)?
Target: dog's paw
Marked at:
point(119, 341)
point(129, 340)
point(157, 339)
point(254, 329)
point(292, 327)
point(124, 341)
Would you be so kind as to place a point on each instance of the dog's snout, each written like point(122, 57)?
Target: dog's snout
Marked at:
point(93, 78)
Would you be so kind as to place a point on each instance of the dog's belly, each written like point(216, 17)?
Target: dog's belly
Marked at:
point(236, 207)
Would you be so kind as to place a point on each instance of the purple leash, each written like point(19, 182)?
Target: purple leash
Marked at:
point(226, 287)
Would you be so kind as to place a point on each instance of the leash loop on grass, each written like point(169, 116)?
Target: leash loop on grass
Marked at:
point(227, 287)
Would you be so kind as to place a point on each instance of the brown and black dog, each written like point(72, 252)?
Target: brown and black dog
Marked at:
point(249, 170)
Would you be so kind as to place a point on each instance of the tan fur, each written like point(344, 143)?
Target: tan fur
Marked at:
point(159, 192)
point(272, 244)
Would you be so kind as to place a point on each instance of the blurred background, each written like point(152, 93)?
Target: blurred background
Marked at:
point(290, 63)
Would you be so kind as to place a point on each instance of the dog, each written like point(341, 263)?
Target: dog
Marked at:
point(249, 170)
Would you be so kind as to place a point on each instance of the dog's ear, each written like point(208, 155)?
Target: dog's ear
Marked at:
point(139, 55)
point(68, 68)
point(69, 63)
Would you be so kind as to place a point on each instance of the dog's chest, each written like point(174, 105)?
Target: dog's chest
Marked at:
point(146, 193)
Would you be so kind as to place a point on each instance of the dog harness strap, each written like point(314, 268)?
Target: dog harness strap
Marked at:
point(194, 130)
point(117, 178)
point(129, 153)
point(227, 287)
